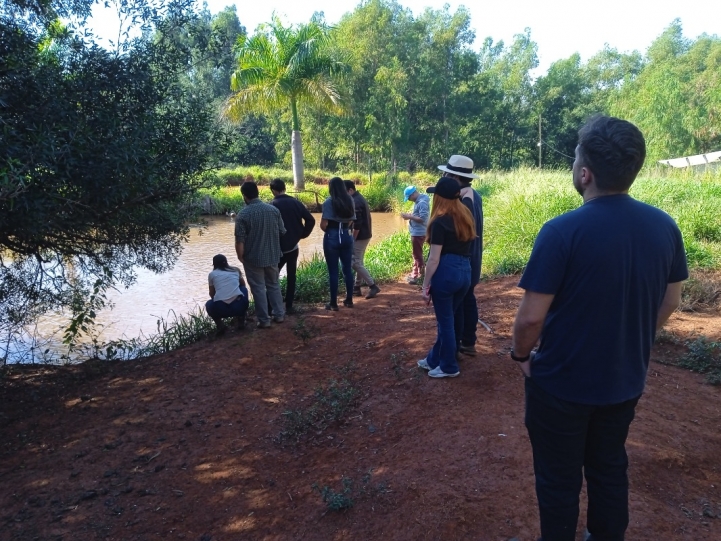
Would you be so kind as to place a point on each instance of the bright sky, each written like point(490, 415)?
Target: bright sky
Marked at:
point(559, 27)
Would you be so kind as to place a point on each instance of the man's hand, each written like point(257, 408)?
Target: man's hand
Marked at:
point(526, 367)
point(240, 250)
point(406, 216)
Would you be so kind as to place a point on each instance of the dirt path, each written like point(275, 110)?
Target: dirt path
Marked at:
point(186, 445)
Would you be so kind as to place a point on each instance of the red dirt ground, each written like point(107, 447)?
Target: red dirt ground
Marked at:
point(185, 445)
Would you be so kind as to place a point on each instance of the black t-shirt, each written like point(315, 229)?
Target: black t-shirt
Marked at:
point(608, 264)
point(443, 232)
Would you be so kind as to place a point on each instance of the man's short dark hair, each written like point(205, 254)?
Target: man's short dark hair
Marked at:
point(277, 185)
point(613, 149)
point(349, 184)
point(249, 189)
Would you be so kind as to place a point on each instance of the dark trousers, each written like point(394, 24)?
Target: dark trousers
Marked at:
point(465, 319)
point(291, 259)
point(338, 245)
point(569, 441)
point(218, 310)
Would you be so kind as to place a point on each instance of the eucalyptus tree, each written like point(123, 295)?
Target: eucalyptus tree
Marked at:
point(676, 99)
point(286, 67)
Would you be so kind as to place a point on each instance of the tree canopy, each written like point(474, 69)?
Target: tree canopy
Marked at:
point(285, 67)
point(99, 156)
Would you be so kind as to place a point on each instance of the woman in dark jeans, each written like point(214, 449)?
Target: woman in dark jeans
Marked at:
point(448, 272)
point(337, 221)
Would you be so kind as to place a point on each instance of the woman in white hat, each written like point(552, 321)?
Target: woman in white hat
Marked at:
point(448, 272)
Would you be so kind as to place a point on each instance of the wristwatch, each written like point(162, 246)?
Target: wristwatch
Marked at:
point(520, 359)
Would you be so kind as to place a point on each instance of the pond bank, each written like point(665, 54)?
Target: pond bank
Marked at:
point(188, 445)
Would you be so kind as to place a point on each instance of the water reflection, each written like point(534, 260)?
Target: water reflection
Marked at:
point(180, 290)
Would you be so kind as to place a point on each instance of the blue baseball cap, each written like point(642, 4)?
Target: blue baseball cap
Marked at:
point(407, 192)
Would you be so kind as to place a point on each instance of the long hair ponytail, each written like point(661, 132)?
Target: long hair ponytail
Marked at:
point(339, 198)
point(459, 213)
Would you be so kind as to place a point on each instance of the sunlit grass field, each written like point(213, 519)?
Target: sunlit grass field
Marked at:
point(516, 205)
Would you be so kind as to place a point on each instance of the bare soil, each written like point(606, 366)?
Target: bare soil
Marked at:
point(188, 445)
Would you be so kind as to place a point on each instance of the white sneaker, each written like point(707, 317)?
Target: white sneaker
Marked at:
point(438, 373)
point(423, 364)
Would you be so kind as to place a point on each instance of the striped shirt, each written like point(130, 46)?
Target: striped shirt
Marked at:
point(259, 226)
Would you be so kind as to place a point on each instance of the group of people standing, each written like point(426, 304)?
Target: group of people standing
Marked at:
point(266, 240)
point(600, 282)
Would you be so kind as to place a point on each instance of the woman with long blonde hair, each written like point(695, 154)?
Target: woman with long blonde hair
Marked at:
point(451, 230)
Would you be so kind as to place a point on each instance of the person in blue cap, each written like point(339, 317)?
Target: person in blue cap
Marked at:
point(417, 222)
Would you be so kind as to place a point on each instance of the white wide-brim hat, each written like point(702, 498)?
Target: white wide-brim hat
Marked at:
point(459, 165)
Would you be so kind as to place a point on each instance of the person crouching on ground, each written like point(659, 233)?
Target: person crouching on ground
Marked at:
point(417, 221)
point(448, 272)
point(337, 221)
point(362, 233)
point(228, 294)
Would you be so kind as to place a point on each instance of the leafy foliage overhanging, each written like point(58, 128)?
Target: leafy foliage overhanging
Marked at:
point(100, 153)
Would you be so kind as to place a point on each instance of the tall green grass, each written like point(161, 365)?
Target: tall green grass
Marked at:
point(386, 261)
point(518, 203)
point(383, 191)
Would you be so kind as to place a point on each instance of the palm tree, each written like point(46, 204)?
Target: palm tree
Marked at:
point(282, 66)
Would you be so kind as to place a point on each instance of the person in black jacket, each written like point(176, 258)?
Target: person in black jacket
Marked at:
point(362, 233)
point(298, 224)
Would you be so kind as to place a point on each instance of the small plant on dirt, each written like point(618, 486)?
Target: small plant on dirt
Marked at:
point(704, 357)
point(351, 492)
point(397, 362)
point(330, 405)
point(701, 291)
point(305, 331)
point(667, 337)
point(337, 501)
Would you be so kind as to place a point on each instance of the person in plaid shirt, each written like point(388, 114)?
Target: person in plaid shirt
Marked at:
point(257, 243)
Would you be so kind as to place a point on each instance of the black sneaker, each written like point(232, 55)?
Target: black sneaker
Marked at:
point(374, 290)
point(330, 306)
point(467, 350)
point(348, 303)
point(357, 291)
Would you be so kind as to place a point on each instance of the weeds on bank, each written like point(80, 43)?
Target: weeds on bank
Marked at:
point(397, 360)
point(703, 357)
point(337, 501)
point(305, 331)
point(329, 405)
point(701, 291)
point(350, 491)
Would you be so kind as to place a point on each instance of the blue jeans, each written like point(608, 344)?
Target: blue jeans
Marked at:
point(338, 245)
point(449, 285)
point(217, 310)
point(569, 441)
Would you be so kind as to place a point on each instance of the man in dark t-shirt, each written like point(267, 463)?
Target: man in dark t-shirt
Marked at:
point(600, 282)
point(299, 224)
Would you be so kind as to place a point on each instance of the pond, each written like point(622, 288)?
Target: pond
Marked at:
point(185, 287)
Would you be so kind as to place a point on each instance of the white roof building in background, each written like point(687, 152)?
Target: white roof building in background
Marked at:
point(688, 161)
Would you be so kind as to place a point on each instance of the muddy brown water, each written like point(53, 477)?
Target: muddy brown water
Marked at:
point(136, 310)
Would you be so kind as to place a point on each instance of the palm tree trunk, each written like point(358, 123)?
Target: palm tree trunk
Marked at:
point(296, 150)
